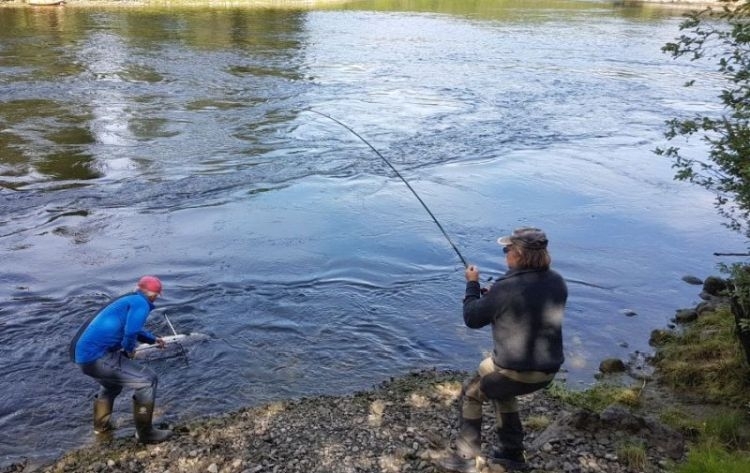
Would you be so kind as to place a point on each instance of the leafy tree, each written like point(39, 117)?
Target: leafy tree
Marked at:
point(722, 36)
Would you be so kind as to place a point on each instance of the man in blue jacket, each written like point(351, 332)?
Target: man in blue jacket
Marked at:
point(104, 348)
point(525, 309)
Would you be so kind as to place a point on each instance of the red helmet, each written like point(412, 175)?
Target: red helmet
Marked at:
point(150, 284)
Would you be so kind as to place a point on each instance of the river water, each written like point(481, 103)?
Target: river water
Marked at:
point(180, 142)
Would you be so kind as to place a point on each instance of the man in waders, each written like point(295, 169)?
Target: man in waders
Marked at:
point(104, 348)
point(525, 309)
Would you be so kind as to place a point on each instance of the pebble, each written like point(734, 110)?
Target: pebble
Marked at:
point(409, 439)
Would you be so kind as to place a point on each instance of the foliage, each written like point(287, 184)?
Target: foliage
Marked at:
point(722, 36)
point(706, 359)
point(597, 397)
point(739, 289)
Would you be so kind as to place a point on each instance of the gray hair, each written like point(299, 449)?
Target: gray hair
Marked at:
point(529, 258)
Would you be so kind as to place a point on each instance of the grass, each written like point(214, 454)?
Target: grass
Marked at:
point(704, 362)
point(728, 430)
point(712, 459)
point(633, 454)
point(707, 359)
point(538, 423)
point(598, 397)
point(682, 421)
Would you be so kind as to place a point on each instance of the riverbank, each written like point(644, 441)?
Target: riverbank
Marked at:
point(285, 4)
point(276, 4)
point(403, 425)
point(406, 424)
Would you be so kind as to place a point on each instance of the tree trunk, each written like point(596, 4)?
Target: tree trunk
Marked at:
point(742, 325)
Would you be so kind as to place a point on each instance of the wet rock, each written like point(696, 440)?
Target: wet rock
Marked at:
point(639, 368)
point(612, 365)
point(692, 280)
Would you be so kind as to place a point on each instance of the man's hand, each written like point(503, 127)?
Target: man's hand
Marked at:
point(161, 343)
point(472, 273)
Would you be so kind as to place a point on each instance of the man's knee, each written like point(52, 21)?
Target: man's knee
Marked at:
point(147, 393)
point(110, 391)
point(471, 388)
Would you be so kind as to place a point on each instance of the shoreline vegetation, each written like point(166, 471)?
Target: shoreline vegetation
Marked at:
point(291, 4)
point(690, 415)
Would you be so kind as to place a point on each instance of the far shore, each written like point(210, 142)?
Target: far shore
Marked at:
point(292, 4)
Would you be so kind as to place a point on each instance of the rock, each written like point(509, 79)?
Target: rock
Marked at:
point(685, 315)
point(332, 434)
point(639, 368)
point(705, 307)
point(659, 337)
point(692, 280)
point(715, 286)
point(612, 365)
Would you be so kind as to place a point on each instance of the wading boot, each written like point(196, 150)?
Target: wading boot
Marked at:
point(145, 432)
point(468, 447)
point(469, 439)
point(456, 463)
point(103, 415)
point(511, 460)
point(510, 454)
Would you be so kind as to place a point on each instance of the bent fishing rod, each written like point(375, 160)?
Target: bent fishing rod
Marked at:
point(429, 212)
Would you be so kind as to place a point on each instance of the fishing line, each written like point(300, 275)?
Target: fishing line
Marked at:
point(432, 216)
point(174, 332)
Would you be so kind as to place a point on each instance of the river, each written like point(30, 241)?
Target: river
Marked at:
point(185, 143)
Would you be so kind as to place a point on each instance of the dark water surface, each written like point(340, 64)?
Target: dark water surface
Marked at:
point(178, 142)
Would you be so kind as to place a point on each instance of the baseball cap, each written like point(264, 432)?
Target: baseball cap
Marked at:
point(527, 237)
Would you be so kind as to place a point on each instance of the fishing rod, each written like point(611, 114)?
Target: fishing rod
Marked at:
point(432, 216)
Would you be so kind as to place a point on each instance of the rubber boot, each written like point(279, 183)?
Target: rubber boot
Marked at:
point(456, 463)
point(145, 432)
point(103, 415)
point(510, 435)
point(468, 448)
point(469, 439)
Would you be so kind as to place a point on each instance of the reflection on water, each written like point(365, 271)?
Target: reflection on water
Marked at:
point(180, 142)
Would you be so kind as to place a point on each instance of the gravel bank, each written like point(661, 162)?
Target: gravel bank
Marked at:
point(403, 425)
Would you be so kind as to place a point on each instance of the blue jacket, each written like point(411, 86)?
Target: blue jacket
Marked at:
point(118, 326)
